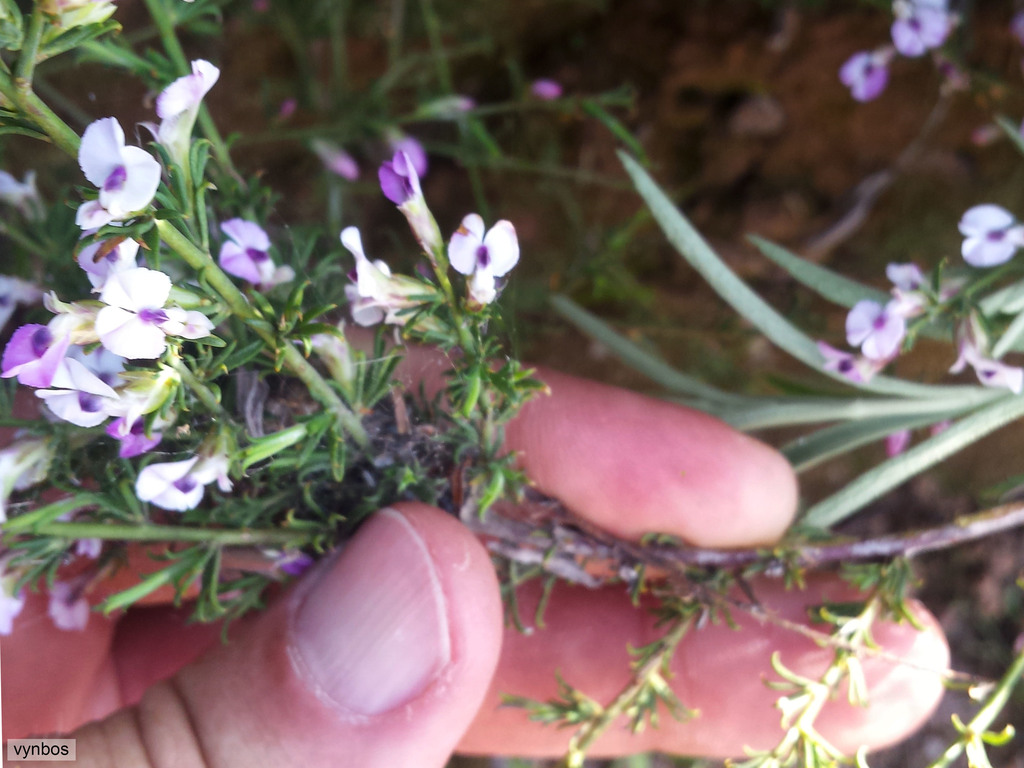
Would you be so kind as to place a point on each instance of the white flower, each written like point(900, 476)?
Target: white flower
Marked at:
point(135, 323)
point(68, 608)
point(11, 603)
point(15, 291)
point(377, 295)
point(127, 177)
point(483, 257)
point(178, 105)
point(23, 195)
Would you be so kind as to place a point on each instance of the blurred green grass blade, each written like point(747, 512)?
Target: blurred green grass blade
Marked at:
point(1011, 337)
point(811, 450)
point(633, 355)
point(1012, 130)
point(617, 129)
point(746, 302)
point(889, 474)
point(752, 414)
point(826, 283)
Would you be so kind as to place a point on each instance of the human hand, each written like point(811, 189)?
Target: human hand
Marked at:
point(392, 652)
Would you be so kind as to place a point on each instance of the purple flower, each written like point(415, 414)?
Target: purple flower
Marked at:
point(245, 255)
point(897, 442)
point(68, 607)
point(1017, 26)
point(546, 89)
point(991, 235)
point(906, 277)
point(180, 485)
point(134, 440)
point(400, 183)
point(377, 294)
point(855, 368)
point(293, 562)
point(919, 27)
point(414, 151)
point(336, 159)
point(866, 73)
point(399, 180)
point(23, 195)
point(127, 177)
point(877, 330)
point(33, 355)
point(483, 257)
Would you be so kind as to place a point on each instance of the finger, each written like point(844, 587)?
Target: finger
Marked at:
point(717, 670)
point(635, 465)
point(53, 679)
point(379, 657)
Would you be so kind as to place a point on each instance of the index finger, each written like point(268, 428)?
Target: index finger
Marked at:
point(634, 465)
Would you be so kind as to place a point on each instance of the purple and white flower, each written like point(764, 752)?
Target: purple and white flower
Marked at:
point(102, 258)
point(15, 291)
point(34, 354)
point(78, 395)
point(991, 234)
point(866, 73)
point(22, 195)
point(335, 159)
point(483, 256)
point(377, 294)
point(68, 608)
point(877, 330)
point(400, 183)
point(855, 368)
point(909, 300)
point(135, 323)
point(23, 463)
point(89, 548)
point(177, 106)
point(245, 255)
point(127, 177)
point(134, 438)
point(919, 26)
point(180, 485)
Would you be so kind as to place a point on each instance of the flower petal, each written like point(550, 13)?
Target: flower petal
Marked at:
point(247, 234)
point(136, 289)
point(124, 334)
point(503, 247)
point(462, 248)
point(100, 151)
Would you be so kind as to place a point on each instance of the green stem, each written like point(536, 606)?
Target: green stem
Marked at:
point(30, 46)
point(204, 393)
point(165, 25)
point(172, 533)
point(293, 359)
point(986, 715)
point(20, 92)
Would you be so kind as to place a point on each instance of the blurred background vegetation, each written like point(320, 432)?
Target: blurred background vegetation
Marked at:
point(737, 108)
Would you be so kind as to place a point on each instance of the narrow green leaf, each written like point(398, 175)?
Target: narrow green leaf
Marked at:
point(887, 475)
point(811, 450)
point(1012, 130)
point(613, 124)
point(1010, 338)
point(633, 355)
point(747, 303)
point(826, 283)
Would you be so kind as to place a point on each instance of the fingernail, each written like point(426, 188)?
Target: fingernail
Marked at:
point(371, 634)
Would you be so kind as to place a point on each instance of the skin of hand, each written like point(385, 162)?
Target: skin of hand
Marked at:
point(392, 650)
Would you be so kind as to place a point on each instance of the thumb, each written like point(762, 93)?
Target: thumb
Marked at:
point(380, 657)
